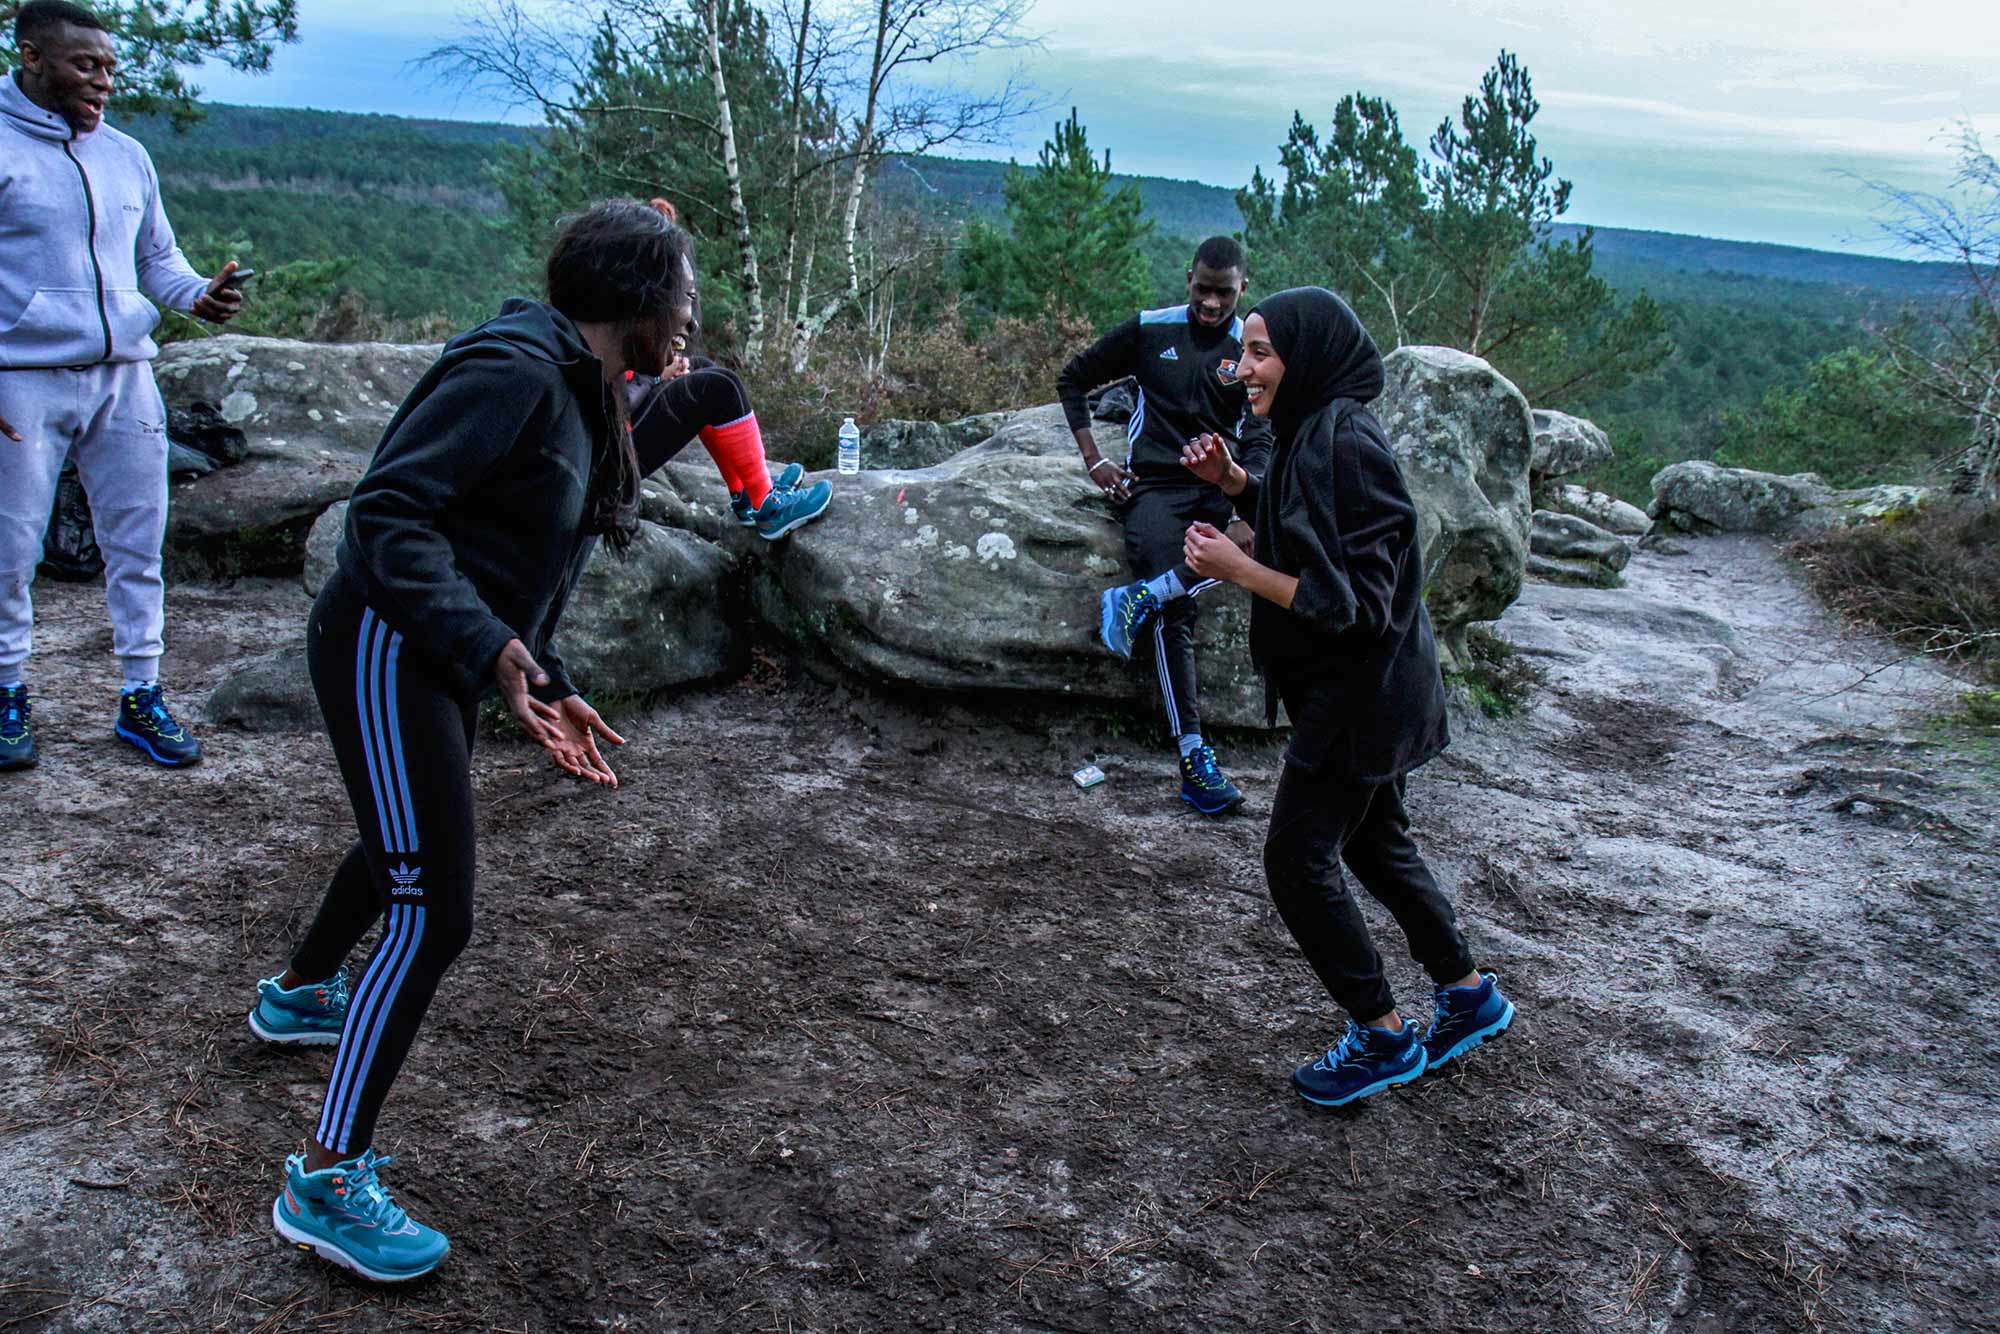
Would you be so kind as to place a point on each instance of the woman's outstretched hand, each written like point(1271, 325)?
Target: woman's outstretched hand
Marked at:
point(574, 749)
point(1211, 554)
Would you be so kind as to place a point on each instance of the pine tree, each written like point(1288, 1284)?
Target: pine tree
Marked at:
point(1072, 245)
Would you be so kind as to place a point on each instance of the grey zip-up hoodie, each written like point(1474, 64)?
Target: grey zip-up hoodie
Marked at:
point(83, 242)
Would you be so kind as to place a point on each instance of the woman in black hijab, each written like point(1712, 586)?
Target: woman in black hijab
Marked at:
point(1339, 632)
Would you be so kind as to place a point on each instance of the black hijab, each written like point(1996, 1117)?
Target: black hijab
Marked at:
point(1327, 355)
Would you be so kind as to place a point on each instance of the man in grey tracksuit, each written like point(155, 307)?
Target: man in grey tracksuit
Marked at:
point(84, 242)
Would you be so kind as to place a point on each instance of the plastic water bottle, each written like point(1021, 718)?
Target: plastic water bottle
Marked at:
point(850, 446)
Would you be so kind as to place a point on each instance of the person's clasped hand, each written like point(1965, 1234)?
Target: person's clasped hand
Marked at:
point(1210, 553)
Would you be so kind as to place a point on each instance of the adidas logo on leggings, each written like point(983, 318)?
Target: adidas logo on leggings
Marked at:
point(406, 876)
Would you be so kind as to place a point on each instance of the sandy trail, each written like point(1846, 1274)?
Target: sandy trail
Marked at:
point(852, 1014)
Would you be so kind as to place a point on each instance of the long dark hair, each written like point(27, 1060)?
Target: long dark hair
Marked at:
point(621, 262)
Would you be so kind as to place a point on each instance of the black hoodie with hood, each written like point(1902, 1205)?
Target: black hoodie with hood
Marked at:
point(468, 528)
point(1353, 659)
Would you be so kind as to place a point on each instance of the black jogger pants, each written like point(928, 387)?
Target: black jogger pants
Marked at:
point(1320, 819)
point(404, 743)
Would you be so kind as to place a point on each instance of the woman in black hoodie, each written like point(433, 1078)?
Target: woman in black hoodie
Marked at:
point(464, 540)
point(1339, 632)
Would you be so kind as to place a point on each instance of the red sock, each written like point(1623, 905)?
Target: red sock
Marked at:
point(738, 451)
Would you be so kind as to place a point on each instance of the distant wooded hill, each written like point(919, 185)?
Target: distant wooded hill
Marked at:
point(411, 204)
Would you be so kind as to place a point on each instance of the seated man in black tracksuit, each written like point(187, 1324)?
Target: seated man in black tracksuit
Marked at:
point(1184, 358)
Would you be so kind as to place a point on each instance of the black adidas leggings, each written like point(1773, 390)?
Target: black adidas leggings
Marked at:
point(404, 743)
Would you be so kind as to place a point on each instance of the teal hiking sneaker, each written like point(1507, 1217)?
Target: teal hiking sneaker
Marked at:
point(306, 1016)
point(790, 507)
point(17, 739)
point(1203, 784)
point(144, 720)
point(345, 1214)
point(785, 479)
point(1122, 613)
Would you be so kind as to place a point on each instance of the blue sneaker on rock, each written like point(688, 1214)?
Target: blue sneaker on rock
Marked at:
point(1464, 1017)
point(310, 1015)
point(789, 507)
point(17, 739)
point(1122, 613)
point(785, 478)
point(143, 720)
point(345, 1213)
point(1364, 1061)
point(1203, 784)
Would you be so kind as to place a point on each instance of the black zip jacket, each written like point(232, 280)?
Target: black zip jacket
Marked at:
point(468, 528)
point(1353, 658)
point(1187, 387)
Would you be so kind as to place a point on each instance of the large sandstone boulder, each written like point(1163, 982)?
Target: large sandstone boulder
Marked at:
point(1464, 438)
point(311, 414)
point(1700, 497)
point(1565, 445)
point(1563, 548)
point(667, 613)
point(1607, 512)
point(981, 575)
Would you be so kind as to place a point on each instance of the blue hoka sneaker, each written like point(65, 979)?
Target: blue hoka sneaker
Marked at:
point(1122, 613)
point(1203, 784)
point(1364, 1061)
point(306, 1016)
point(144, 721)
point(344, 1212)
point(788, 507)
point(1464, 1017)
point(785, 479)
point(17, 739)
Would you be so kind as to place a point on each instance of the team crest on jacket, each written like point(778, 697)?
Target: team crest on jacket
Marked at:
point(1225, 371)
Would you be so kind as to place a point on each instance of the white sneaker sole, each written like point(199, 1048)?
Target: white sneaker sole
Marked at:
point(326, 1250)
point(293, 1039)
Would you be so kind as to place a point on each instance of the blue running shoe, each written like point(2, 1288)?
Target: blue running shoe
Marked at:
point(345, 1213)
point(306, 1016)
point(17, 739)
point(789, 507)
point(785, 479)
point(1122, 613)
point(1203, 784)
point(1464, 1017)
point(1364, 1061)
point(144, 721)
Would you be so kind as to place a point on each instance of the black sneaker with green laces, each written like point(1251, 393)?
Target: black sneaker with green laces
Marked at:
point(144, 720)
point(17, 739)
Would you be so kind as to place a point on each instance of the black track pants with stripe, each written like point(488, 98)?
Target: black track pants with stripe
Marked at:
point(1156, 523)
point(404, 743)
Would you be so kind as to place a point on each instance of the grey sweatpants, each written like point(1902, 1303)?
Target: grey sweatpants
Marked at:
point(110, 419)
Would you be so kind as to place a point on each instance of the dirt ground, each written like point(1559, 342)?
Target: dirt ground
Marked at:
point(849, 1013)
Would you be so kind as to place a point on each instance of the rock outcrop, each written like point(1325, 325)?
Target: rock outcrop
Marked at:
point(1464, 438)
point(1700, 497)
point(979, 573)
point(1565, 446)
point(310, 413)
point(1563, 548)
point(1607, 512)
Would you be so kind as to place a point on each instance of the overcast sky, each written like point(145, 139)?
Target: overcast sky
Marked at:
point(1745, 119)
